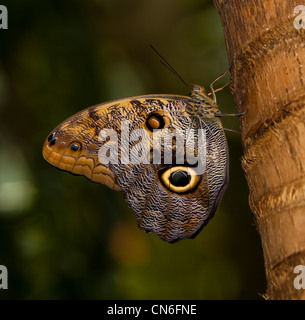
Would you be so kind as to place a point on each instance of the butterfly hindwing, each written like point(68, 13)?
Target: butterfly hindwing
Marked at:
point(171, 211)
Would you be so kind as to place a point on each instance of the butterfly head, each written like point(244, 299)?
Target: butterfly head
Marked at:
point(197, 89)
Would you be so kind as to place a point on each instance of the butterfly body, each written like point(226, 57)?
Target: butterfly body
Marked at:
point(173, 200)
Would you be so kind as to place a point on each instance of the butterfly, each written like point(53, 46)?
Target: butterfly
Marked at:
point(131, 145)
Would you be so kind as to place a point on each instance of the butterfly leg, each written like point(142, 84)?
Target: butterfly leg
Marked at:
point(211, 85)
point(231, 130)
point(231, 114)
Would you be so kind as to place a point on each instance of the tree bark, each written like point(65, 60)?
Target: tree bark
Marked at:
point(267, 80)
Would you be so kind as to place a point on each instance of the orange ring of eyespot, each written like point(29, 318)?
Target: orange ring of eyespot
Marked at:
point(194, 179)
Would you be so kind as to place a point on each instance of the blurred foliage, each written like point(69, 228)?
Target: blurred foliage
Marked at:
point(62, 237)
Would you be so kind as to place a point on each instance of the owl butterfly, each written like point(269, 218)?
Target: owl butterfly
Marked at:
point(173, 200)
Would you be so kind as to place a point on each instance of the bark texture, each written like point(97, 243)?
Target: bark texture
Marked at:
point(267, 80)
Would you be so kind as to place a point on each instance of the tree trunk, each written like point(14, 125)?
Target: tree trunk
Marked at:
point(267, 80)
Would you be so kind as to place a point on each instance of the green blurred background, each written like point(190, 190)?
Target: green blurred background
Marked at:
point(63, 237)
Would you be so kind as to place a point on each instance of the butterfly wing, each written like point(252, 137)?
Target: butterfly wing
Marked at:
point(159, 205)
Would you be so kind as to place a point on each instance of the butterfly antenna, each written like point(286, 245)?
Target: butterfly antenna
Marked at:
point(169, 67)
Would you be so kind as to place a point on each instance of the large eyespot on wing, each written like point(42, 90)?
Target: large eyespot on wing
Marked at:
point(180, 179)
